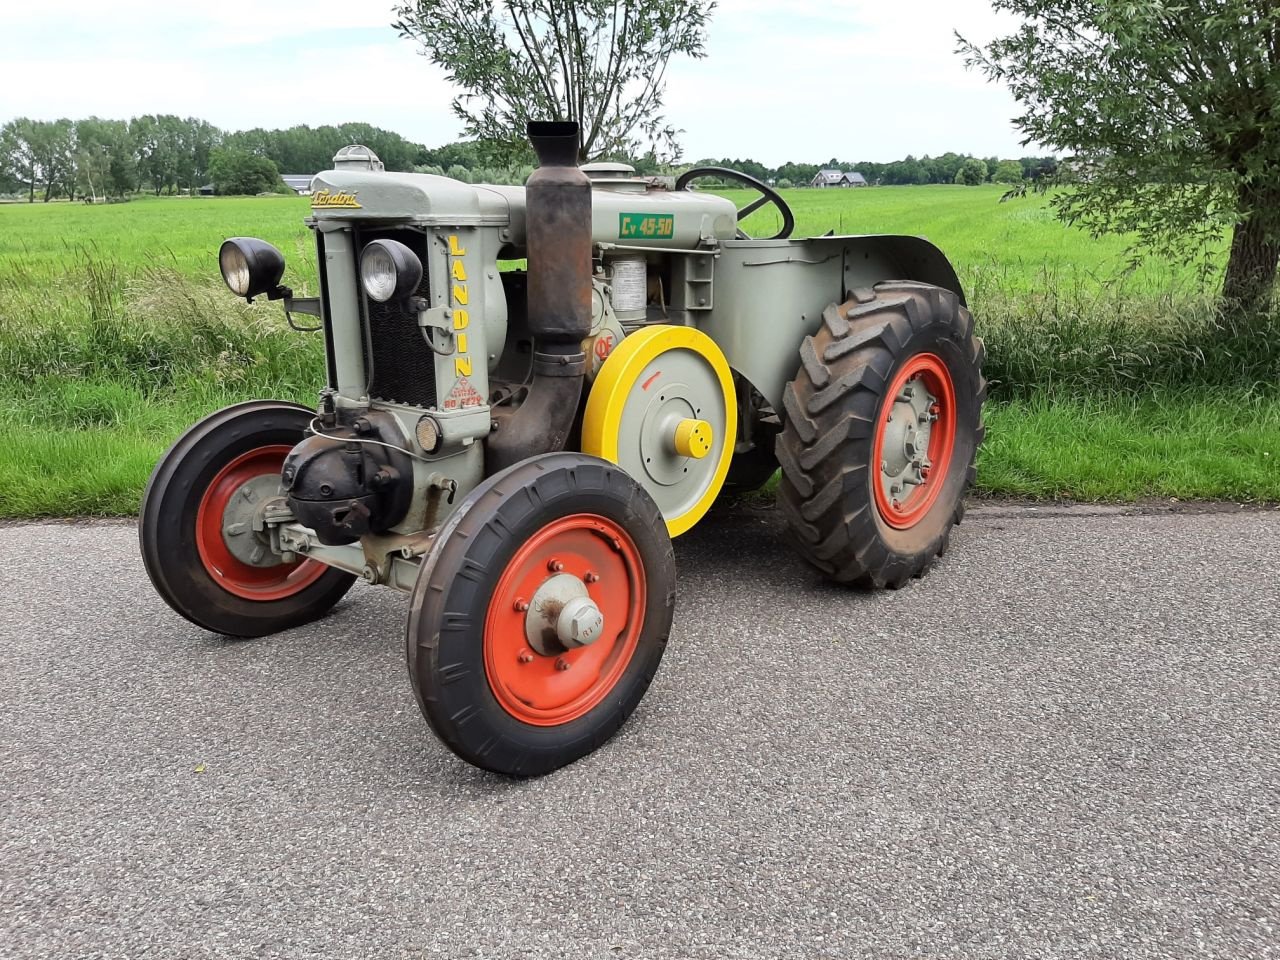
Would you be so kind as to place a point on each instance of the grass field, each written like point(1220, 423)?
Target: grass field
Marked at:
point(1108, 383)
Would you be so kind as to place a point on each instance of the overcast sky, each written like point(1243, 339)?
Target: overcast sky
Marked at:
point(799, 80)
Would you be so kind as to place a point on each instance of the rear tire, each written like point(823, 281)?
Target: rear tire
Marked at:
point(519, 702)
point(858, 508)
point(229, 582)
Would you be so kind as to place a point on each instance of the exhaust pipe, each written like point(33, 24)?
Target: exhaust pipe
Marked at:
point(558, 237)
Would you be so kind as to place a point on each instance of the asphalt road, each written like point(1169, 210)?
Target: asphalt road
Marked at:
point(1065, 742)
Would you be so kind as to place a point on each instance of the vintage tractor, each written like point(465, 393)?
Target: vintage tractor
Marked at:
point(515, 448)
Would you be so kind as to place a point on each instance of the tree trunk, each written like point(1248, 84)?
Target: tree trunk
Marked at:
point(1251, 267)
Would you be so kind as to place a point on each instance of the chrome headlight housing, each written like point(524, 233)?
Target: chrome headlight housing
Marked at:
point(389, 270)
point(250, 267)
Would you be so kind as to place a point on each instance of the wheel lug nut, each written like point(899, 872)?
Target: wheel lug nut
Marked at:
point(562, 664)
point(590, 577)
point(526, 656)
point(521, 604)
point(555, 566)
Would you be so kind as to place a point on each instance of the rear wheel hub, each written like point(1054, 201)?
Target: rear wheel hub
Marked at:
point(914, 440)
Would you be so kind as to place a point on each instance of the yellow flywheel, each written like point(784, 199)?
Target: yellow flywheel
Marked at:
point(663, 408)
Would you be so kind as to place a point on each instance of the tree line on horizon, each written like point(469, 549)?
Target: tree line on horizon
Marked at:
point(162, 153)
point(97, 158)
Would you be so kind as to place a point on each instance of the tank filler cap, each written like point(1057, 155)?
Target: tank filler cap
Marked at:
point(613, 175)
point(607, 170)
point(357, 156)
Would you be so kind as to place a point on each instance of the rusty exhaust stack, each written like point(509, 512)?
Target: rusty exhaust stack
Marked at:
point(558, 237)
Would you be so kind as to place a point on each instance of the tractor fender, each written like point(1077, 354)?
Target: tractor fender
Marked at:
point(770, 294)
point(896, 257)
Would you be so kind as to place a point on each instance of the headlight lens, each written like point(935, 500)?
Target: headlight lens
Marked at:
point(250, 267)
point(378, 272)
point(389, 269)
point(235, 269)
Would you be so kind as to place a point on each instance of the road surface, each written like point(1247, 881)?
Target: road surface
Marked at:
point(1064, 742)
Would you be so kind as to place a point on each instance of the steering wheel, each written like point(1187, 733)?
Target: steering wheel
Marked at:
point(767, 195)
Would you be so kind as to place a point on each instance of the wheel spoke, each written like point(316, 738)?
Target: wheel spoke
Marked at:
point(752, 207)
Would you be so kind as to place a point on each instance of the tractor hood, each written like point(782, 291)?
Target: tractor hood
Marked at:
point(415, 197)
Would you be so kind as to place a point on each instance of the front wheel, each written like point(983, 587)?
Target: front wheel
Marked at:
point(541, 613)
point(197, 526)
point(881, 427)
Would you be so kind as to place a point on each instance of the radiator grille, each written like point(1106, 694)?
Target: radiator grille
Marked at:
point(403, 368)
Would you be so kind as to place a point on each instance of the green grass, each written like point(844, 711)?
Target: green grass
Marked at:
point(116, 334)
point(996, 247)
point(38, 242)
point(1197, 445)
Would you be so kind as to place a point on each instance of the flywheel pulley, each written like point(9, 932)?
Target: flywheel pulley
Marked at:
point(663, 409)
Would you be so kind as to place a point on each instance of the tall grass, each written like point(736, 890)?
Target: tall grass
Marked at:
point(1104, 384)
point(148, 331)
point(1070, 340)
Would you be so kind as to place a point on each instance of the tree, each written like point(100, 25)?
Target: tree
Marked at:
point(945, 168)
point(903, 172)
point(50, 142)
point(239, 172)
point(972, 172)
point(600, 62)
point(19, 154)
point(104, 163)
point(1172, 110)
point(1007, 171)
point(1036, 168)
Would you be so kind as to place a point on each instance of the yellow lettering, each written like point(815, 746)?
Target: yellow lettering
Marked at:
point(454, 249)
point(462, 367)
point(462, 343)
point(460, 319)
point(459, 271)
point(460, 294)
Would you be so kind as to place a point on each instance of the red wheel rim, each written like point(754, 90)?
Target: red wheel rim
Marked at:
point(228, 571)
point(548, 690)
point(909, 507)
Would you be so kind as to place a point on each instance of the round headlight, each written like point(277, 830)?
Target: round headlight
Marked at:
point(389, 270)
point(250, 266)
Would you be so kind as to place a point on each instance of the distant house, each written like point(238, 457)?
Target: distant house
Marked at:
point(838, 178)
point(299, 183)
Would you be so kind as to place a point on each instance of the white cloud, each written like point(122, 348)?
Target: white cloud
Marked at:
point(799, 80)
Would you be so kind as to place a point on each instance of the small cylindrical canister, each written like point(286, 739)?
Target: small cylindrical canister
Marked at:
point(629, 285)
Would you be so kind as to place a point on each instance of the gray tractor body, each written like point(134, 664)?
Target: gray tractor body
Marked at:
point(462, 356)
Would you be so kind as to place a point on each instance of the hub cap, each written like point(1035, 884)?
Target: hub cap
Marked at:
point(564, 620)
point(237, 557)
point(914, 440)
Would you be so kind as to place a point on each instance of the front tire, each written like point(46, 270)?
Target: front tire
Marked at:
point(493, 670)
point(196, 533)
point(868, 500)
